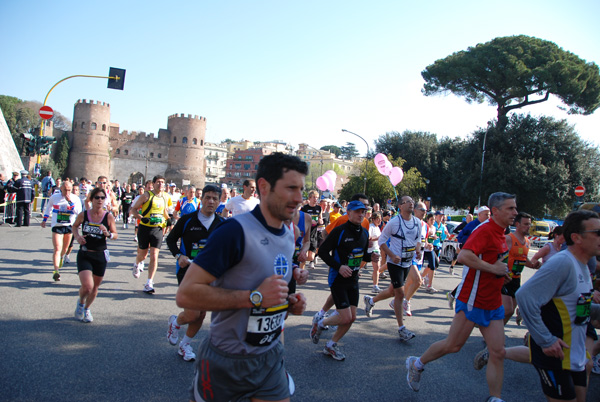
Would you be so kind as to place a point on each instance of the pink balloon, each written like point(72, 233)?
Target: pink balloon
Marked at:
point(384, 166)
point(330, 177)
point(331, 174)
point(321, 183)
point(396, 175)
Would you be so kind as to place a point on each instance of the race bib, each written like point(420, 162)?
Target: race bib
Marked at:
point(407, 253)
point(355, 258)
point(156, 219)
point(265, 325)
point(197, 247)
point(62, 217)
point(582, 312)
point(517, 268)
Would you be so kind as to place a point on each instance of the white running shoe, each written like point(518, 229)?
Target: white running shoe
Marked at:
point(142, 266)
point(376, 289)
point(79, 311)
point(87, 315)
point(405, 334)
point(596, 366)
point(413, 376)
point(136, 270)
point(450, 300)
point(185, 351)
point(406, 307)
point(481, 359)
point(149, 288)
point(173, 330)
point(391, 304)
point(311, 265)
point(368, 305)
point(66, 259)
point(291, 383)
point(124, 226)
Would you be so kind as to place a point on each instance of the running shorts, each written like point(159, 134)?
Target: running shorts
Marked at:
point(560, 384)
point(94, 261)
point(221, 376)
point(480, 316)
point(149, 236)
point(63, 230)
point(398, 274)
point(345, 294)
point(510, 289)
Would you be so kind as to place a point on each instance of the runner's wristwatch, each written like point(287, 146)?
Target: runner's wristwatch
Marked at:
point(256, 298)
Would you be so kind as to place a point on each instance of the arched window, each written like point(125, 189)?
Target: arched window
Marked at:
point(118, 151)
point(184, 140)
point(93, 126)
point(104, 127)
point(174, 140)
point(202, 142)
point(83, 124)
point(195, 141)
point(152, 154)
point(126, 152)
point(159, 156)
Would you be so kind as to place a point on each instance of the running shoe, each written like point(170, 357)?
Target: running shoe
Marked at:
point(383, 275)
point(413, 376)
point(368, 305)
point(318, 317)
point(391, 304)
point(136, 270)
point(406, 307)
point(291, 383)
point(451, 270)
point(311, 265)
point(66, 259)
point(79, 312)
point(450, 300)
point(141, 266)
point(596, 366)
point(518, 317)
point(376, 289)
point(494, 399)
point(481, 359)
point(173, 330)
point(185, 351)
point(334, 351)
point(56, 276)
point(124, 226)
point(329, 327)
point(405, 334)
point(431, 290)
point(87, 315)
point(315, 333)
point(425, 282)
point(148, 288)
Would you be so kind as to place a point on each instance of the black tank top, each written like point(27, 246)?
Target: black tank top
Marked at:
point(95, 239)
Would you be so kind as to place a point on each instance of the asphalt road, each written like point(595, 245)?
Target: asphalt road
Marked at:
point(124, 355)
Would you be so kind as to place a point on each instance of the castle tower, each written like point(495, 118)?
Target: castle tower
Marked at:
point(186, 153)
point(91, 123)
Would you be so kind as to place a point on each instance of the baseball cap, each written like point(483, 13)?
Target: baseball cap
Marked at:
point(355, 205)
point(480, 210)
point(24, 172)
point(439, 213)
point(172, 185)
point(337, 205)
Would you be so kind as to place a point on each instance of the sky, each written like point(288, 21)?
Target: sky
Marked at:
point(294, 71)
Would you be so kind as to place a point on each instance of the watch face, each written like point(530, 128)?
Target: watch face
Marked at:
point(256, 298)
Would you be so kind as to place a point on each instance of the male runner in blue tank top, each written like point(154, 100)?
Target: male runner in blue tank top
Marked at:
point(242, 276)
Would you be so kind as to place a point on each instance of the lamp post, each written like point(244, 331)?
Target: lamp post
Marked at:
point(366, 160)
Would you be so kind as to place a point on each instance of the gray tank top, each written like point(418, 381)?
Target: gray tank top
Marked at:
point(253, 331)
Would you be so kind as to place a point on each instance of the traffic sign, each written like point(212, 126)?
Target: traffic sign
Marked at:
point(579, 191)
point(46, 112)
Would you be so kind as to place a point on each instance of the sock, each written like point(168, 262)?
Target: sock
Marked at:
point(401, 328)
point(322, 312)
point(320, 323)
point(186, 339)
point(419, 365)
point(330, 344)
point(371, 302)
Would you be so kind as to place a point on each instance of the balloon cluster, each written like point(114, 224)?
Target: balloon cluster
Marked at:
point(327, 181)
point(395, 174)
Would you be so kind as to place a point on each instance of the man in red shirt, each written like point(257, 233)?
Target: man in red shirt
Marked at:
point(479, 300)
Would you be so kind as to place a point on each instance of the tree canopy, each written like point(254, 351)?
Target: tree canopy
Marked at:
point(334, 149)
point(516, 71)
point(348, 151)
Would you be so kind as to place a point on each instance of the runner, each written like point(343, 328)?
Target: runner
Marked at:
point(343, 250)
point(153, 216)
point(193, 230)
point(414, 280)
point(244, 202)
point(188, 203)
point(316, 214)
point(63, 207)
point(555, 305)
point(97, 226)
point(126, 202)
point(249, 294)
point(479, 299)
point(404, 235)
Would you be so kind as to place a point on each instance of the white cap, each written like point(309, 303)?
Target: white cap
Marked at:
point(24, 172)
point(481, 209)
point(223, 185)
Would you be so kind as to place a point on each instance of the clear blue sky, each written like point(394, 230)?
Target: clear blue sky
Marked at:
point(297, 71)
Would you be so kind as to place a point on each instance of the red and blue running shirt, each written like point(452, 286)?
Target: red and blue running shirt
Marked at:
point(478, 288)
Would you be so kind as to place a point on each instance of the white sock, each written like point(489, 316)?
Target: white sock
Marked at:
point(401, 328)
point(419, 365)
point(322, 312)
point(186, 339)
point(330, 343)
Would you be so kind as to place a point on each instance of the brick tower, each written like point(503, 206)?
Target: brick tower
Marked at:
point(186, 153)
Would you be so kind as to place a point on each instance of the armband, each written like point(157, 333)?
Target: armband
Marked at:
point(111, 235)
point(45, 218)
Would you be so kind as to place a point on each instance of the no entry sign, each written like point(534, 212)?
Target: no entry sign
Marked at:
point(579, 191)
point(46, 112)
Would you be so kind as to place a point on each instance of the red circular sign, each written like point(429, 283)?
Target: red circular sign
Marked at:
point(579, 191)
point(46, 112)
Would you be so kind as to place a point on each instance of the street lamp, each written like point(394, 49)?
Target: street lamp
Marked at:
point(366, 160)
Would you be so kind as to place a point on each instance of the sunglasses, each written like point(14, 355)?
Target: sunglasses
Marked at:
point(597, 232)
point(99, 197)
point(422, 209)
